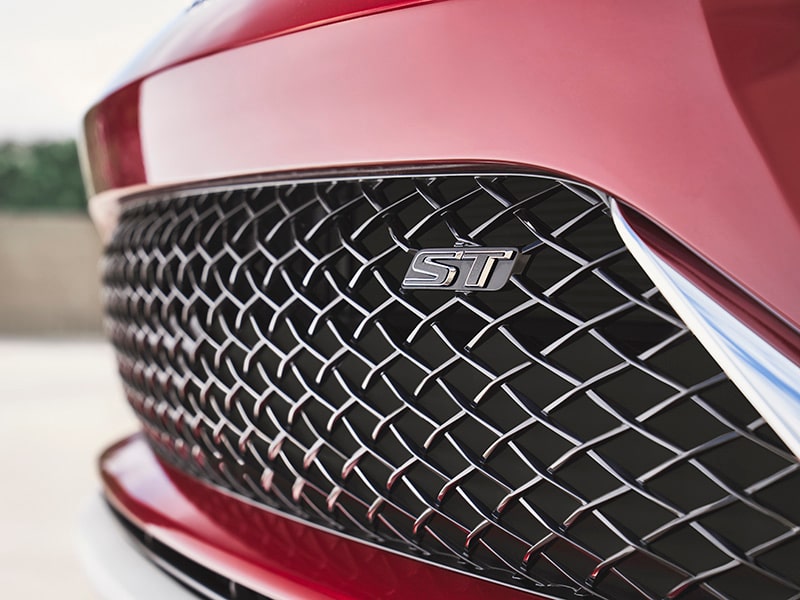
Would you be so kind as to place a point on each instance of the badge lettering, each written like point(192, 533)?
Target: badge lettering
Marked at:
point(462, 269)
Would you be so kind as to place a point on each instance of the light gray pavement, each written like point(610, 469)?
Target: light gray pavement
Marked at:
point(60, 405)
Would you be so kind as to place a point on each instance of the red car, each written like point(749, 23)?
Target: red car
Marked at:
point(461, 298)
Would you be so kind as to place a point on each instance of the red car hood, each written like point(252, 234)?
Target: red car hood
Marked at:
point(211, 26)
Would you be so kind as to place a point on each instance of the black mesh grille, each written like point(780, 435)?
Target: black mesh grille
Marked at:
point(566, 434)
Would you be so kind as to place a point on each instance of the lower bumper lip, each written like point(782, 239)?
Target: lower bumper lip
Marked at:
point(117, 570)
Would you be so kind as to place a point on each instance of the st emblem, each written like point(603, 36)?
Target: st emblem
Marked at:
point(462, 269)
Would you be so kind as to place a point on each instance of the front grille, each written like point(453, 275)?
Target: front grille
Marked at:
point(566, 434)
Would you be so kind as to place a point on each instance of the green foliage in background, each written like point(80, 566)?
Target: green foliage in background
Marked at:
point(40, 176)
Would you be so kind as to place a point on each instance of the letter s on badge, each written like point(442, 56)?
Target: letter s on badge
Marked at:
point(463, 269)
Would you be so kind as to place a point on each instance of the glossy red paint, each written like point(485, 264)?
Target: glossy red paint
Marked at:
point(269, 553)
point(112, 141)
point(758, 47)
point(644, 100)
point(111, 128)
point(216, 25)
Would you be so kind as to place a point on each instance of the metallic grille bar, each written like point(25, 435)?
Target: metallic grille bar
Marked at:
point(566, 433)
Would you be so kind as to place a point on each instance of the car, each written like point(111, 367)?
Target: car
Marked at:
point(474, 298)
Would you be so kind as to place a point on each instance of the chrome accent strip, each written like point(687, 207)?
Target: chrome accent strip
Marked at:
point(769, 380)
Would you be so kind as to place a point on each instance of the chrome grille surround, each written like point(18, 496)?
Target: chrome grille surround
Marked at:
point(566, 434)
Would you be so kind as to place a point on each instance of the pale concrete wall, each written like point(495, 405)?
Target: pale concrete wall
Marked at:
point(49, 275)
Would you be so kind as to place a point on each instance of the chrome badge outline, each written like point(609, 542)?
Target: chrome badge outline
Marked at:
point(469, 269)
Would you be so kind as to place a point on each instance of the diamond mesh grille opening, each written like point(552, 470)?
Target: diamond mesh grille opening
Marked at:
point(566, 434)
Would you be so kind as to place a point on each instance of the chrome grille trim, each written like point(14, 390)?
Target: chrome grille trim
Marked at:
point(770, 380)
point(267, 347)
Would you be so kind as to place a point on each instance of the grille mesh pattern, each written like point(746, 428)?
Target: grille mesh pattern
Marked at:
point(566, 434)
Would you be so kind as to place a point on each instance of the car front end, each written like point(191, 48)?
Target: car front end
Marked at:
point(426, 298)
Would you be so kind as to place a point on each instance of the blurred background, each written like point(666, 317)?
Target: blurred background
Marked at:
point(60, 401)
